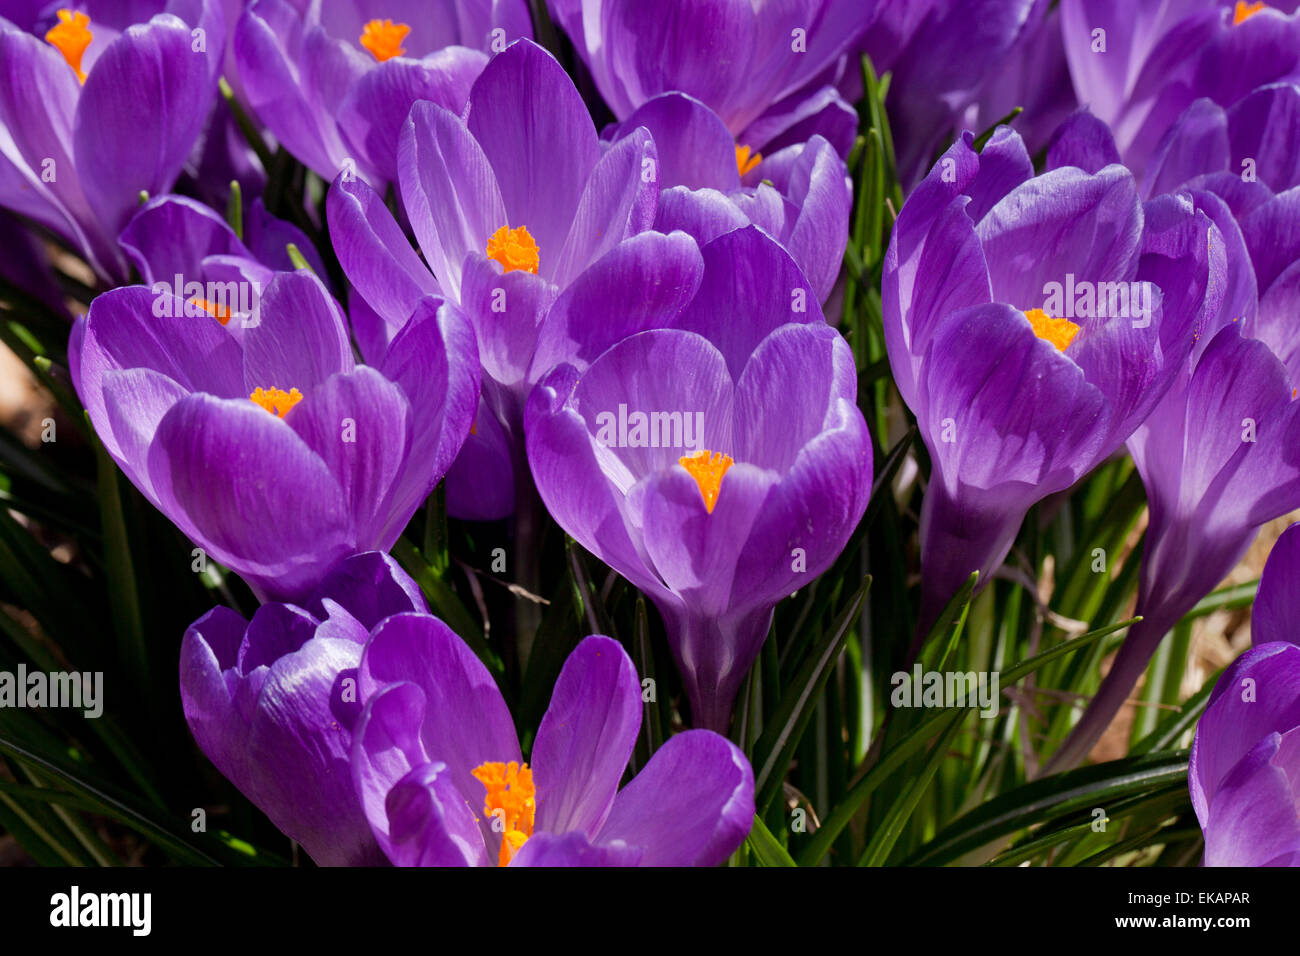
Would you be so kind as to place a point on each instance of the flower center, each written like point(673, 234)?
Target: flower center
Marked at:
point(707, 468)
point(275, 400)
point(1244, 11)
point(512, 799)
point(514, 249)
point(1060, 332)
point(218, 312)
point(70, 36)
point(745, 161)
point(383, 38)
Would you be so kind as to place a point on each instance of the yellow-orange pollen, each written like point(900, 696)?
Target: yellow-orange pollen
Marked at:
point(383, 38)
point(707, 468)
point(511, 799)
point(745, 161)
point(218, 312)
point(1060, 332)
point(1244, 11)
point(70, 36)
point(514, 249)
point(275, 400)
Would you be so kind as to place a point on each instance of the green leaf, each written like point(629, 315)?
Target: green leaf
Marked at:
point(900, 811)
point(1053, 797)
point(1175, 725)
point(776, 746)
point(897, 755)
point(765, 847)
point(119, 567)
point(108, 802)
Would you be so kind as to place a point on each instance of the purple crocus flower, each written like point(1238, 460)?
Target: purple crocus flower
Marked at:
point(963, 60)
point(1032, 323)
point(1138, 66)
point(1244, 774)
point(1274, 616)
point(717, 488)
point(438, 770)
point(179, 244)
point(1032, 75)
point(334, 81)
point(525, 223)
point(275, 451)
point(1218, 455)
point(800, 195)
point(272, 701)
point(760, 66)
point(90, 116)
point(1253, 140)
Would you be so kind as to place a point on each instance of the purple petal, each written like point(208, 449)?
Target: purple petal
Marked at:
point(573, 849)
point(506, 309)
point(704, 214)
point(537, 134)
point(464, 721)
point(360, 425)
point(618, 201)
point(1264, 127)
point(481, 481)
point(172, 235)
point(692, 805)
point(751, 286)
point(140, 111)
point(818, 186)
point(1253, 820)
point(643, 283)
point(374, 252)
point(694, 147)
point(435, 361)
point(268, 239)
point(282, 531)
point(132, 403)
point(375, 107)
point(1195, 145)
point(450, 192)
point(1062, 222)
point(568, 469)
point(1257, 696)
point(1082, 141)
point(370, 586)
point(627, 381)
point(430, 823)
point(1277, 605)
point(586, 738)
point(301, 339)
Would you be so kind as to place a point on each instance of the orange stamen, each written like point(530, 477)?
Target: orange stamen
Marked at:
point(745, 161)
point(70, 36)
point(1244, 11)
point(514, 249)
point(383, 38)
point(707, 468)
point(1060, 332)
point(511, 798)
point(218, 312)
point(275, 400)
